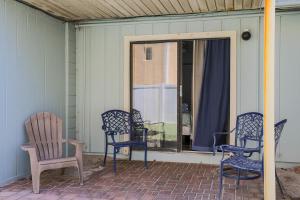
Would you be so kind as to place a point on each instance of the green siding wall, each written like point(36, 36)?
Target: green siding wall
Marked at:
point(100, 69)
point(32, 78)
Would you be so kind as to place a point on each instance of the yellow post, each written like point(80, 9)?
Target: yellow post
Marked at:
point(269, 57)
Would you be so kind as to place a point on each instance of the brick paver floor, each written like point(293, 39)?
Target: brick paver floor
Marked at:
point(161, 180)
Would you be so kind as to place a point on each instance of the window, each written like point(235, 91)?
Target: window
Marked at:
point(148, 53)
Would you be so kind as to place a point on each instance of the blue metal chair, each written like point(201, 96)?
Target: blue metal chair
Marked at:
point(240, 162)
point(118, 122)
point(249, 127)
point(278, 131)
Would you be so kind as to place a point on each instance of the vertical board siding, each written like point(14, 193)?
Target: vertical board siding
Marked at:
point(177, 27)
point(289, 87)
point(98, 84)
point(235, 25)
point(144, 29)
point(2, 84)
point(87, 88)
point(277, 69)
point(32, 78)
point(71, 86)
point(249, 67)
point(212, 25)
point(160, 28)
point(108, 68)
point(9, 60)
point(195, 26)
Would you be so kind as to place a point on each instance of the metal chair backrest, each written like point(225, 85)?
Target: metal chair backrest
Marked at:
point(116, 122)
point(137, 120)
point(278, 131)
point(249, 126)
point(44, 130)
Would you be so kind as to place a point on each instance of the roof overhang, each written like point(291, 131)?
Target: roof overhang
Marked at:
point(79, 10)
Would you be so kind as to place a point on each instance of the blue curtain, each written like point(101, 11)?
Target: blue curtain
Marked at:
point(213, 115)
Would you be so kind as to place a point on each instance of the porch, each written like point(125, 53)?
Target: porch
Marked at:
point(162, 180)
point(77, 65)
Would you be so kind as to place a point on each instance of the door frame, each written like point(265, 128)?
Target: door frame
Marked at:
point(184, 36)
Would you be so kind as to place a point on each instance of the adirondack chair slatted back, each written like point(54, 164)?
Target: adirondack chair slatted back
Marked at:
point(44, 130)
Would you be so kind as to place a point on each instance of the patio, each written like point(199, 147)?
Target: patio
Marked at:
point(162, 180)
point(64, 63)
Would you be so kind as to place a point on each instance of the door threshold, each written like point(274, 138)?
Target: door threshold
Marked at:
point(197, 152)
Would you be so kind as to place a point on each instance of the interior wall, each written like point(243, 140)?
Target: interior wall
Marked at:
point(100, 69)
point(32, 78)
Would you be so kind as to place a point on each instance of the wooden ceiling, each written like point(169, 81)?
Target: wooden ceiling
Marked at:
point(75, 10)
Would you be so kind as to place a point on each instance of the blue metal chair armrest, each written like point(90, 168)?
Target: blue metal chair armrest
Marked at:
point(225, 148)
point(244, 140)
point(149, 123)
point(144, 131)
point(145, 134)
point(215, 139)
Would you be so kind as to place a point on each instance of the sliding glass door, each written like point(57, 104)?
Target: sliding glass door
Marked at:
point(154, 91)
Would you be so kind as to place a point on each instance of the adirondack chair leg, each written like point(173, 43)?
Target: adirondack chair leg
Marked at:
point(130, 152)
point(80, 175)
point(80, 171)
point(145, 161)
point(220, 181)
point(115, 164)
point(35, 173)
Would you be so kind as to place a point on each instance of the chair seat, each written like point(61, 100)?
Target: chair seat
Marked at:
point(59, 160)
point(127, 143)
point(241, 162)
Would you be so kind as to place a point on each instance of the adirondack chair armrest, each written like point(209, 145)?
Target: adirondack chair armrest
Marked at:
point(75, 142)
point(78, 153)
point(27, 147)
point(78, 145)
point(32, 153)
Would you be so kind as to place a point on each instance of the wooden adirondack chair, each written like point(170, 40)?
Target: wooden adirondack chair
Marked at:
point(44, 130)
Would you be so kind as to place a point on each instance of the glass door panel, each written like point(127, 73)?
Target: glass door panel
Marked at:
point(154, 91)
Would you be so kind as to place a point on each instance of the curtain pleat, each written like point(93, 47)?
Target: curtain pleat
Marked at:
point(198, 69)
point(213, 111)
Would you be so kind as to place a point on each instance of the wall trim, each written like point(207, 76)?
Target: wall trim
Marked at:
point(67, 58)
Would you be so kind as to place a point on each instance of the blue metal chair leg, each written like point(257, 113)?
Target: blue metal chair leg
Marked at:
point(238, 178)
point(220, 181)
point(104, 161)
point(115, 166)
point(146, 164)
point(130, 152)
point(280, 185)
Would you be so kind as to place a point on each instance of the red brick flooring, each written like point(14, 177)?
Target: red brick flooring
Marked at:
point(160, 181)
